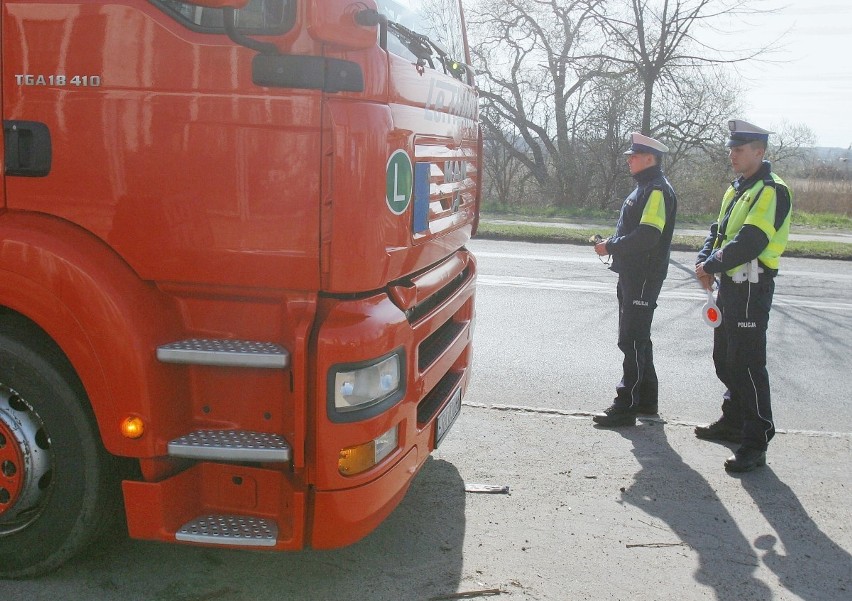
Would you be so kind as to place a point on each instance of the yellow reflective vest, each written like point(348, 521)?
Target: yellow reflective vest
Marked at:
point(756, 206)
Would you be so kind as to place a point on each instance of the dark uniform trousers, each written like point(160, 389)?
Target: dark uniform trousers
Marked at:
point(637, 299)
point(739, 355)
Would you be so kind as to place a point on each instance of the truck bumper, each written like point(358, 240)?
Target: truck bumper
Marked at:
point(342, 517)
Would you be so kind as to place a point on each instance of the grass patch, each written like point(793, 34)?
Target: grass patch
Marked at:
point(559, 235)
point(819, 250)
point(543, 213)
point(536, 233)
point(821, 220)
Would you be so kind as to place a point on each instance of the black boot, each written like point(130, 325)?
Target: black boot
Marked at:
point(745, 460)
point(719, 430)
point(616, 415)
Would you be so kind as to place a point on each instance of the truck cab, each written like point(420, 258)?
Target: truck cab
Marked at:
point(234, 290)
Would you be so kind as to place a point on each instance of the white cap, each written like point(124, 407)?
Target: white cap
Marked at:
point(643, 144)
point(743, 132)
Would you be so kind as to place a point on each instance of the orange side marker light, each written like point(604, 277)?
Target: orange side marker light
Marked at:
point(132, 427)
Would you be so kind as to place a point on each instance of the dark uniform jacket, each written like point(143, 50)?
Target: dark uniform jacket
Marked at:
point(643, 236)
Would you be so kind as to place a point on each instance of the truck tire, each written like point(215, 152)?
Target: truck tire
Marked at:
point(57, 484)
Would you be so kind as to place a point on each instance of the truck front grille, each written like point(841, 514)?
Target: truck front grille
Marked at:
point(436, 343)
point(430, 404)
point(422, 309)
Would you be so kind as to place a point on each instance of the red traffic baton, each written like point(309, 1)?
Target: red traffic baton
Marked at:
point(710, 312)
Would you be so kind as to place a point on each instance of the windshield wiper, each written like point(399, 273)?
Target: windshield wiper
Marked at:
point(420, 45)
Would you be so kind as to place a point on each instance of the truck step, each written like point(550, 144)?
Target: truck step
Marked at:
point(231, 530)
point(231, 445)
point(225, 353)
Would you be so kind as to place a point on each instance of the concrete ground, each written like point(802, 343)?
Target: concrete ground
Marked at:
point(648, 512)
point(642, 513)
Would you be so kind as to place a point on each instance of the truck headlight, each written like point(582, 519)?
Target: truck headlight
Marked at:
point(374, 384)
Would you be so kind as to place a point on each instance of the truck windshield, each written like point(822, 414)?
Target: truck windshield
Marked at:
point(264, 17)
point(440, 20)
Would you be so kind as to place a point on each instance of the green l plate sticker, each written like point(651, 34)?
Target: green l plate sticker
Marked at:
point(399, 181)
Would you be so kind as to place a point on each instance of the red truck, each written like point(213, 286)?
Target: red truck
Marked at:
point(235, 297)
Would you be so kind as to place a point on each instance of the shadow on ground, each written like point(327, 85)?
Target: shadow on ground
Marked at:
point(805, 561)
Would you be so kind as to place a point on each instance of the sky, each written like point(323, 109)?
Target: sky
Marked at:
point(809, 80)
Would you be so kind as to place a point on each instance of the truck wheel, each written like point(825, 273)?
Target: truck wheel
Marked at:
point(56, 481)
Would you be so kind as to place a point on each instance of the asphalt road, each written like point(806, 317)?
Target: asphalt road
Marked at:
point(548, 328)
point(640, 514)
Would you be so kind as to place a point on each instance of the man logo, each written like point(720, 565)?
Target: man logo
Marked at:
point(455, 171)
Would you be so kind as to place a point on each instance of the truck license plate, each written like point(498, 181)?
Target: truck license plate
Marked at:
point(447, 416)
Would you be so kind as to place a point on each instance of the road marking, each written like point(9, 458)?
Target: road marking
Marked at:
point(576, 414)
point(545, 283)
point(779, 300)
point(526, 257)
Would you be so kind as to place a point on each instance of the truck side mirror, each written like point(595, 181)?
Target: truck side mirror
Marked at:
point(330, 75)
point(333, 22)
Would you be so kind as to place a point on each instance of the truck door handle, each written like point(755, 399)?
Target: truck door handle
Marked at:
point(28, 148)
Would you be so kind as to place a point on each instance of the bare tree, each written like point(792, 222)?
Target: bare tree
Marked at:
point(504, 175)
point(788, 146)
point(693, 116)
point(573, 77)
point(612, 111)
point(656, 40)
point(691, 119)
point(527, 53)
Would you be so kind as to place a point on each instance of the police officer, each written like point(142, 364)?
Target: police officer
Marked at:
point(743, 249)
point(640, 256)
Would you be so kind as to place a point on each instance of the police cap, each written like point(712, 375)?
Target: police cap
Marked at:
point(643, 144)
point(743, 132)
